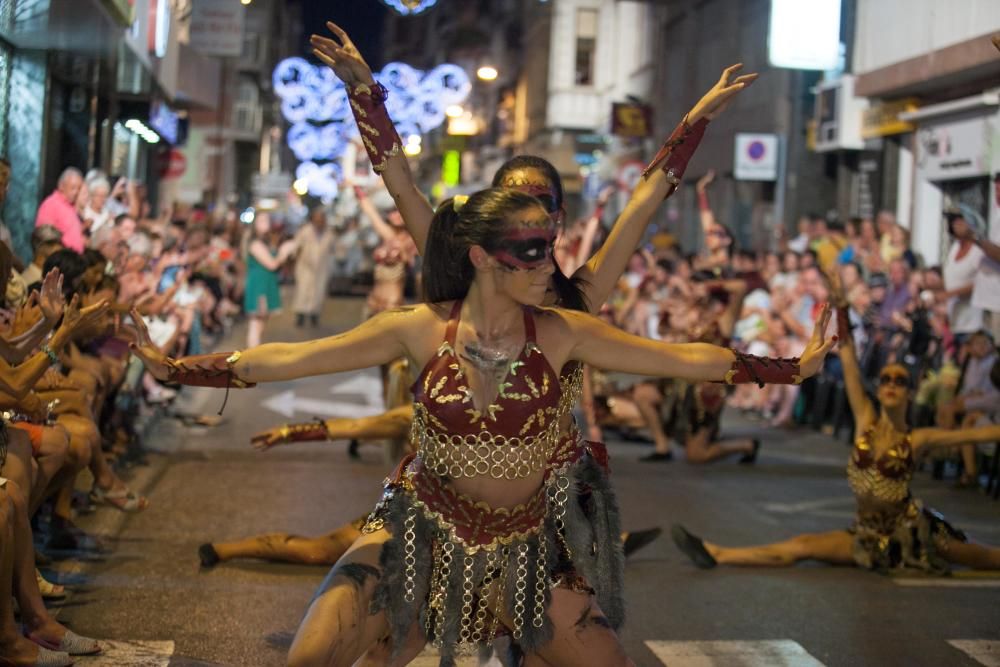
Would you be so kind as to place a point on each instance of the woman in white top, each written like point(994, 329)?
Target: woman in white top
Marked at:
point(959, 272)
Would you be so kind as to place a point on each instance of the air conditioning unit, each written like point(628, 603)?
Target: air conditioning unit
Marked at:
point(838, 115)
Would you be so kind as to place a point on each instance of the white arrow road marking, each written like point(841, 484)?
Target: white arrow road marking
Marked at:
point(287, 404)
point(368, 386)
point(769, 653)
point(132, 653)
point(983, 651)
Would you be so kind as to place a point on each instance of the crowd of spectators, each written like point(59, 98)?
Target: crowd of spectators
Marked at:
point(931, 319)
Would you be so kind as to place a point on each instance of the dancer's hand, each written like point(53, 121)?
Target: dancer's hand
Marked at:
point(811, 360)
point(344, 58)
point(264, 440)
point(146, 350)
point(705, 180)
point(721, 94)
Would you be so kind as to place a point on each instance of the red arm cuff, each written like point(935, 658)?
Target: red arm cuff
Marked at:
point(749, 368)
point(675, 154)
point(310, 431)
point(207, 370)
point(843, 323)
point(378, 134)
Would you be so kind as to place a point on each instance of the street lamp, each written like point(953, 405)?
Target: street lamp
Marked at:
point(454, 111)
point(487, 73)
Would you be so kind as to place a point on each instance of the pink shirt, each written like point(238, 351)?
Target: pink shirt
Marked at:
point(61, 214)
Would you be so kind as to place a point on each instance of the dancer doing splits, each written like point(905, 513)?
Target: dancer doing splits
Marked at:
point(892, 530)
point(482, 528)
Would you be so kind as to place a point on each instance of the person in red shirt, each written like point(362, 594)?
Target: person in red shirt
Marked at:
point(59, 209)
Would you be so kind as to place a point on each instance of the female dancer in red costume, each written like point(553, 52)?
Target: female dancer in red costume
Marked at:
point(596, 278)
point(892, 529)
point(483, 529)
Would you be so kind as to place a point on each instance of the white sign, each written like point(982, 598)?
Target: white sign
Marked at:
point(957, 149)
point(804, 34)
point(217, 27)
point(756, 157)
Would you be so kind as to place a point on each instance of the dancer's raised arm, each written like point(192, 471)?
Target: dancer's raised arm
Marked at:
point(861, 407)
point(376, 341)
point(659, 181)
point(377, 131)
point(597, 343)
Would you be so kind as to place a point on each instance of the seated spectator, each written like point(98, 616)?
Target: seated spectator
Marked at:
point(59, 209)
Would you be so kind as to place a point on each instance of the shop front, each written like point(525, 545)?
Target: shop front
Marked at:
point(957, 152)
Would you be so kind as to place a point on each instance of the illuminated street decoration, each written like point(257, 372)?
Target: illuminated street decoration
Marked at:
point(410, 7)
point(314, 102)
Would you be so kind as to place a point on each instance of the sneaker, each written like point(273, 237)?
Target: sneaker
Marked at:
point(657, 457)
point(751, 457)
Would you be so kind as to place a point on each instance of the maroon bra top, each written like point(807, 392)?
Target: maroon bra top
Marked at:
point(526, 403)
point(894, 463)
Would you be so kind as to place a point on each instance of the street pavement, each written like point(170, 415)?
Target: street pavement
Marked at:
point(145, 593)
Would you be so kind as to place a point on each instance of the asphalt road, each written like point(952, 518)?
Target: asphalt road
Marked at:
point(144, 590)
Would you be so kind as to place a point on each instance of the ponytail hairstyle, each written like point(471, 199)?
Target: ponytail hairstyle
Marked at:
point(479, 220)
point(569, 291)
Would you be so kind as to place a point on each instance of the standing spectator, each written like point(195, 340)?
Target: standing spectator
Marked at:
point(97, 214)
point(986, 289)
point(897, 294)
point(959, 271)
point(313, 243)
point(799, 244)
point(884, 222)
point(264, 258)
point(59, 209)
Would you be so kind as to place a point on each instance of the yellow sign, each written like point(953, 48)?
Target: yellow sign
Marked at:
point(883, 119)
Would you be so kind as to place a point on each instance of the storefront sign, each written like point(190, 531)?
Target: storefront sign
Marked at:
point(956, 149)
point(217, 27)
point(804, 35)
point(165, 121)
point(883, 119)
point(756, 157)
point(631, 120)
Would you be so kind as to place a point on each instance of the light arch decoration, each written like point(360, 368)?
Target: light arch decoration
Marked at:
point(314, 102)
point(409, 7)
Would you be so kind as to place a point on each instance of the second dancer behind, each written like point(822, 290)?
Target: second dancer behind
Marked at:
point(482, 528)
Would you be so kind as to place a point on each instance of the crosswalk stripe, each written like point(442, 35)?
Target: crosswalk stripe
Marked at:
point(430, 658)
point(132, 653)
point(984, 651)
point(946, 582)
point(769, 653)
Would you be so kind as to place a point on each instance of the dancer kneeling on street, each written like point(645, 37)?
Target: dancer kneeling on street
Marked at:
point(481, 529)
point(892, 530)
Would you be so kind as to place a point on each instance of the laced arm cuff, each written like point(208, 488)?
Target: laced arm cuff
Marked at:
point(378, 134)
point(761, 370)
point(207, 370)
point(676, 152)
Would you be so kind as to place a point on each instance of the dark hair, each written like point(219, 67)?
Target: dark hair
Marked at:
point(93, 257)
point(447, 269)
point(568, 290)
point(531, 162)
point(70, 264)
point(995, 374)
point(121, 217)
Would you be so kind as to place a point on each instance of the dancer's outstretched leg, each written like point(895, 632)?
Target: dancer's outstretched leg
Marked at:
point(834, 547)
point(282, 547)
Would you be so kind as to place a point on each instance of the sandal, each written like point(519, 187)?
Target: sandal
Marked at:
point(49, 590)
point(693, 547)
point(45, 658)
point(124, 499)
point(71, 643)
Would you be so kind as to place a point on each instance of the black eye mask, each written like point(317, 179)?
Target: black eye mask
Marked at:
point(526, 248)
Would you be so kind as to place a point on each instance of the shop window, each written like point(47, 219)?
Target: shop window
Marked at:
point(246, 107)
point(5, 57)
point(586, 46)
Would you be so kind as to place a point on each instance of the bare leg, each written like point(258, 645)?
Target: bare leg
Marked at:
point(833, 547)
point(52, 456)
point(13, 646)
point(338, 627)
point(581, 635)
point(323, 550)
point(255, 327)
point(647, 399)
point(699, 449)
point(970, 554)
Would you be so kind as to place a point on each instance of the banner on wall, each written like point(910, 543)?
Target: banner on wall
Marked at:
point(217, 27)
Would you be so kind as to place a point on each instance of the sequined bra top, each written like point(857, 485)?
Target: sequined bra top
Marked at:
point(511, 438)
point(885, 479)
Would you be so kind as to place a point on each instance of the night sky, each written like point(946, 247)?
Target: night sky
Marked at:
point(362, 19)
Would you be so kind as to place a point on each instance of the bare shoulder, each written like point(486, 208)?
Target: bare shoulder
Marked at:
point(556, 321)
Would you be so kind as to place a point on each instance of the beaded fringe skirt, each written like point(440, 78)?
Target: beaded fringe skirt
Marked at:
point(465, 586)
point(910, 539)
